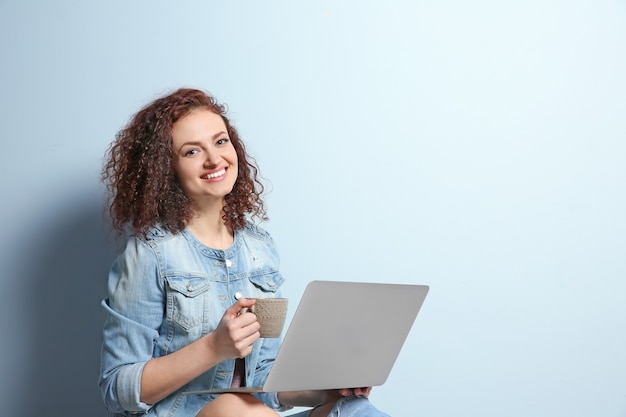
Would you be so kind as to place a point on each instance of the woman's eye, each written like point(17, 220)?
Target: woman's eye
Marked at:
point(222, 141)
point(191, 152)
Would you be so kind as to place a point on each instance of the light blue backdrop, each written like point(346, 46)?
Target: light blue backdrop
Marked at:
point(477, 147)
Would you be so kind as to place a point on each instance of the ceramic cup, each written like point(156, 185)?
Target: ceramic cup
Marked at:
point(270, 313)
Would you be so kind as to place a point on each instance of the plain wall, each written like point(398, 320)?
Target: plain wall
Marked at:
point(476, 147)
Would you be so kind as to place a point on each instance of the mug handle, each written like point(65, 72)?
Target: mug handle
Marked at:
point(247, 310)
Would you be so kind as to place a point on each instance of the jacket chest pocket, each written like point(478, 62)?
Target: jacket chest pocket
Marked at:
point(267, 283)
point(186, 300)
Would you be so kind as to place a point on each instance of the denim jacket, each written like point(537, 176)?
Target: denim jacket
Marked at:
point(168, 290)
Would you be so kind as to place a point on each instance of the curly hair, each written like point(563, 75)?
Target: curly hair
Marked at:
point(142, 188)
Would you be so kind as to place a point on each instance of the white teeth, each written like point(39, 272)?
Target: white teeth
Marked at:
point(216, 174)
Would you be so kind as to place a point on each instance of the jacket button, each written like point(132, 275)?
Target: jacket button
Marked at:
point(238, 295)
point(229, 263)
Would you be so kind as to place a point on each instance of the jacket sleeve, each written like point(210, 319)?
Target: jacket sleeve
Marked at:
point(134, 312)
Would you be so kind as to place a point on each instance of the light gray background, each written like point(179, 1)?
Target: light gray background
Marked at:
point(474, 146)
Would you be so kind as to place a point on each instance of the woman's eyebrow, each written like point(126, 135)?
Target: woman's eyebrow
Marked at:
point(199, 142)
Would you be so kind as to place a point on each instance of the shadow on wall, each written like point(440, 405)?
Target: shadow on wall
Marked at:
point(67, 266)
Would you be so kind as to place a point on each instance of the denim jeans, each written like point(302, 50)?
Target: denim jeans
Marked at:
point(353, 406)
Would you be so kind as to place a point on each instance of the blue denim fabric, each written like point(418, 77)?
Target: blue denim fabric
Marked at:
point(353, 406)
point(168, 290)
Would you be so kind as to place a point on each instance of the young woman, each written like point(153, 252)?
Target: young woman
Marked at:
point(183, 187)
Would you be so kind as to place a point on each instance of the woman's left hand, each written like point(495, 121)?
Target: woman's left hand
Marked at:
point(316, 398)
point(361, 392)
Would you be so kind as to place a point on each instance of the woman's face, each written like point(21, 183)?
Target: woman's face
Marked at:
point(205, 161)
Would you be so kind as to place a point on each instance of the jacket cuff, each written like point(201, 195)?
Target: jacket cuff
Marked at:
point(129, 388)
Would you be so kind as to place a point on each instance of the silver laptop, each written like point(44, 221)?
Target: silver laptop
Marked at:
point(342, 335)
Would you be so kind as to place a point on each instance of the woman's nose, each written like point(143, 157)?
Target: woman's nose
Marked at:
point(212, 158)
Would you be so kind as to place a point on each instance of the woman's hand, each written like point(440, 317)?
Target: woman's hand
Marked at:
point(323, 401)
point(318, 397)
point(361, 392)
point(233, 338)
point(236, 333)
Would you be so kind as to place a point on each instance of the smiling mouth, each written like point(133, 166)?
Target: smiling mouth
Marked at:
point(215, 174)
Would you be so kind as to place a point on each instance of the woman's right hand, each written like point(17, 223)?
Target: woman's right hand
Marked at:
point(236, 333)
point(233, 338)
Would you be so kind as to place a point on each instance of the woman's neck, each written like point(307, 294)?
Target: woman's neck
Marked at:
point(209, 228)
